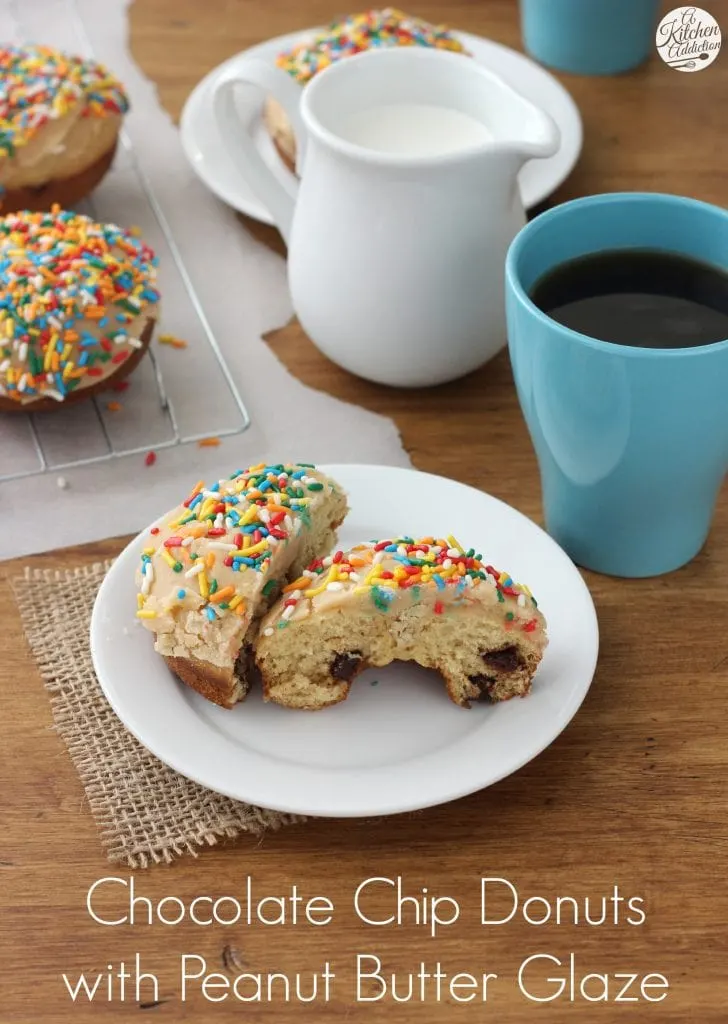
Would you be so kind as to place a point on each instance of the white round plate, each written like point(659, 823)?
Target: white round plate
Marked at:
point(395, 746)
point(211, 161)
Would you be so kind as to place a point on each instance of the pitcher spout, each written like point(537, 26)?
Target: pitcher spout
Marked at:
point(518, 124)
point(540, 134)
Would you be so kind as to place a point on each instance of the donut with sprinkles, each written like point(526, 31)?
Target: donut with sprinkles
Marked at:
point(343, 38)
point(60, 117)
point(210, 569)
point(78, 304)
point(424, 599)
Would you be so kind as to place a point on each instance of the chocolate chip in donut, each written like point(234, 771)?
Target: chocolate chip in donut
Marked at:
point(507, 659)
point(344, 666)
point(484, 684)
point(244, 661)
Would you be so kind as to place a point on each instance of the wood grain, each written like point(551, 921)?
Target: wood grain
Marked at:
point(632, 794)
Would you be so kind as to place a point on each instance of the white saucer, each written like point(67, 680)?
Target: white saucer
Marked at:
point(395, 746)
point(210, 159)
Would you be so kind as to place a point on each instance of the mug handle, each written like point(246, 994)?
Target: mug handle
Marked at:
point(278, 195)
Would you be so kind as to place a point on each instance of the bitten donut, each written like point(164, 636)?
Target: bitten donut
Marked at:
point(220, 558)
point(354, 34)
point(59, 122)
point(78, 304)
point(424, 600)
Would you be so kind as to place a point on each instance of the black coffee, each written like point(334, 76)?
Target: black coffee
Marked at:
point(638, 297)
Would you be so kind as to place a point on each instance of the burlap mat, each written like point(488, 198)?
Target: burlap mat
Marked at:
point(147, 813)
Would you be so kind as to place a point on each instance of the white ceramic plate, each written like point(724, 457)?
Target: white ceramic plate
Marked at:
point(395, 746)
point(210, 159)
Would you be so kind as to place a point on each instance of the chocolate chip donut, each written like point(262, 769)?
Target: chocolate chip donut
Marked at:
point(59, 122)
point(78, 304)
point(214, 567)
point(427, 600)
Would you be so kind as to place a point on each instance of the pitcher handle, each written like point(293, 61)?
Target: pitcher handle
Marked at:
point(278, 195)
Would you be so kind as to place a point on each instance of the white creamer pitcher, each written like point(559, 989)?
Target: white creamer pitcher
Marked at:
point(396, 253)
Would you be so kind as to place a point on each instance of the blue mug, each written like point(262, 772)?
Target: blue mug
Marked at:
point(590, 37)
point(632, 443)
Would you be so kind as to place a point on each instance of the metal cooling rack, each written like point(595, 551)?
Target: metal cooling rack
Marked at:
point(33, 443)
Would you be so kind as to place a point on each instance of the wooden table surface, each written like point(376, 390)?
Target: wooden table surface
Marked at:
point(632, 795)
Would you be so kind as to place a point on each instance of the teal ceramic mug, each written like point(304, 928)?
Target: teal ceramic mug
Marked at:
point(632, 443)
point(590, 37)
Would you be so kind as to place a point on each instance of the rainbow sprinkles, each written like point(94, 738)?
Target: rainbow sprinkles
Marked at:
point(73, 298)
point(213, 566)
point(428, 566)
point(224, 533)
point(358, 32)
point(39, 84)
